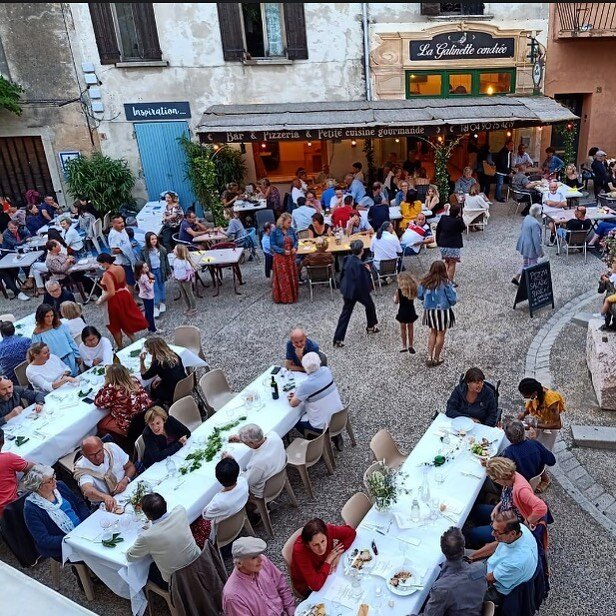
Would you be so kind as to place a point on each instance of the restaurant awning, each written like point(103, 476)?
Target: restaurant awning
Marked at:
point(383, 118)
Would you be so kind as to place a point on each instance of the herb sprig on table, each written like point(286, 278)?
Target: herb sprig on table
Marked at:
point(212, 447)
point(111, 543)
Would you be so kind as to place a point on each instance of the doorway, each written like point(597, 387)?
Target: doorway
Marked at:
point(573, 102)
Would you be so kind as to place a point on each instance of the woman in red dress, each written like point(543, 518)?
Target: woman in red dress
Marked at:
point(283, 243)
point(123, 313)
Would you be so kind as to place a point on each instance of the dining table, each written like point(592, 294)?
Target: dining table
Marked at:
point(242, 206)
point(150, 217)
point(180, 482)
point(16, 260)
point(406, 541)
point(217, 260)
point(306, 246)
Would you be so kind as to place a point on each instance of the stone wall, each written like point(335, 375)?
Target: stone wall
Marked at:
point(601, 361)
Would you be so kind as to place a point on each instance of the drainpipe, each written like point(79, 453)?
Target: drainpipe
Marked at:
point(366, 33)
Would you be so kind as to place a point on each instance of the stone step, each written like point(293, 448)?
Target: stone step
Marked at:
point(582, 318)
point(597, 437)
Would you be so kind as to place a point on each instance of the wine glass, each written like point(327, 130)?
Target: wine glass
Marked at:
point(439, 477)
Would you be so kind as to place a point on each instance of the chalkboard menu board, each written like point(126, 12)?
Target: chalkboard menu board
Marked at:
point(535, 287)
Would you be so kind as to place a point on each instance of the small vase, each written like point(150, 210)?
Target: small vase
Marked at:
point(382, 504)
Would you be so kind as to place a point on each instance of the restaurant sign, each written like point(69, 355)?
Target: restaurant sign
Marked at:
point(136, 112)
point(462, 46)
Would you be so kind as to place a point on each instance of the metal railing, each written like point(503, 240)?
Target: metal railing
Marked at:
point(594, 18)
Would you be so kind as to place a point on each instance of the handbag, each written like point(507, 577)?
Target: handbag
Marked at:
point(488, 169)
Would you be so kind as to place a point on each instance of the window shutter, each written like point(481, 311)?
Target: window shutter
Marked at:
point(146, 28)
point(431, 9)
point(295, 29)
point(104, 31)
point(230, 19)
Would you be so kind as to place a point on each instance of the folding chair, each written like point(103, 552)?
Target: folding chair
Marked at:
point(521, 198)
point(574, 240)
point(387, 268)
point(320, 274)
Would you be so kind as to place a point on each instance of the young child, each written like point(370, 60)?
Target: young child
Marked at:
point(406, 293)
point(71, 316)
point(607, 283)
point(267, 251)
point(145, 282)
point(184, 273)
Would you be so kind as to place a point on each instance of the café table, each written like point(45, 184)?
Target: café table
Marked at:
point(402, 543)
point(25, 326)
point(306, 246)
point(210, 237)
point(215, 261)
point(567, 191)
point(193, 490)
point(246, 207)
point(17, 260)
point(88, 264)
point(394, 214)
point(150, 217)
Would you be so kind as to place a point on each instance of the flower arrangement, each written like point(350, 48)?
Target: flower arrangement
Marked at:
point(383, 485)
point(142, 488)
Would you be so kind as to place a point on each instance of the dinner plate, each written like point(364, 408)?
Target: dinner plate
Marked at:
point(357, 556)
point(493, 450)
point(408, 587)
point(312, 607)
point(462, 423)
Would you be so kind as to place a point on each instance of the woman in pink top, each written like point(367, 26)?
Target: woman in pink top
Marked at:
point(145, 282)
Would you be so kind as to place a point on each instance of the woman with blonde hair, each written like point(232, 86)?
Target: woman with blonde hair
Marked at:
point(71, 317)
point(283, 244)
point(184, 271)
point(166, 369)
point(404, 296)
point(124, 397)
point(516, 495)
point(433, 200)
point(46, 371)
point(163, 436)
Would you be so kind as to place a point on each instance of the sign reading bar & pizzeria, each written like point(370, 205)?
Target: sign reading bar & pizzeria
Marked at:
point(466, 45)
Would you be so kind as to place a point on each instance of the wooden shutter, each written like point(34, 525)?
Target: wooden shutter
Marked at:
point(295, 29)
point(432, 9)
point(230, 19)
point(104, 31)
point(145, 22)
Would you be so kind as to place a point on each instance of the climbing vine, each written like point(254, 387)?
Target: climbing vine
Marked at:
point(442, 154)
point(10, 94)
point(568, 133)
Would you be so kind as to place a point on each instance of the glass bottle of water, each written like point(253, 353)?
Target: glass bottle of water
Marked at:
point(415, 511)
point(170, 467)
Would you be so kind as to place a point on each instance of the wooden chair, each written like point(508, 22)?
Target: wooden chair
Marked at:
point(287, 555)
point(302, 454)
point(303, 235)
point(20, 374)
point(272, 490)
point(229, 530)
point(355, 509)
point(165, 594)
point(189, 337)
point(185, 387)
point(384, 448)
point(82, 571)
point(186, 410)
point(215, 390)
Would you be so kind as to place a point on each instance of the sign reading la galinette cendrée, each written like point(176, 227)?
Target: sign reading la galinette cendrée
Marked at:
point(462, 46)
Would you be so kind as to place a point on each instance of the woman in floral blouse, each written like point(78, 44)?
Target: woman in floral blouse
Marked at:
point(126, 399)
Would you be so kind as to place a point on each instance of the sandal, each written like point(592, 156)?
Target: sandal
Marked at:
point(404, 350)
point(429, 362)
point(438, 362)
point(372, 330)
point(338, 343)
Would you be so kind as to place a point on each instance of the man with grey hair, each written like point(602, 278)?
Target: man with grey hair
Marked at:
point(268, 456)
point(460, 586)
point(55, 294)
point(529, 243)
point(529, 455)
point(318, 394)
point(297, 346)
point(256, 587)
point(355, 286)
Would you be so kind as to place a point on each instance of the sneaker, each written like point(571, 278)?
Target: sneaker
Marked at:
point(23, 297)
point(156, 313)
point(412, 350)
point(162, 308)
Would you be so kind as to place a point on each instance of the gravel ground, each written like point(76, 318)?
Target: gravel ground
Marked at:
point(243, 335)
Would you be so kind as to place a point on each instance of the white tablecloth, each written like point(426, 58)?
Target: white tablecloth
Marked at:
point(397, 545)
point(394, 214)
point(150, 217)
point(25, 327)
point(194, 491)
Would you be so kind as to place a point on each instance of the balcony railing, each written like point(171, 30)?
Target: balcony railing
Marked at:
point(586, 19)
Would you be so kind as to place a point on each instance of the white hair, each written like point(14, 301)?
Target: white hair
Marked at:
point(36, 476)
point(251, 433)
point(52, 284)
point(535, 210)
point(311, 362)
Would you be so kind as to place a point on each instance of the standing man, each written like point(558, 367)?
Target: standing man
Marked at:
point(297, 346)
point(504, 160)
point(122, 249)
point(355, 286)
point(256, 587)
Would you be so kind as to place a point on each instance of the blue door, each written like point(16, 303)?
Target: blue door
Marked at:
point(163, 159)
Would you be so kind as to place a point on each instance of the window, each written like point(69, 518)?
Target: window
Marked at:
point(447, 83)
point(257, 30)
point(125, 32)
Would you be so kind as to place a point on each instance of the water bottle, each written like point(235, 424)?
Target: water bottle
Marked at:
point(170, 467)
point(274, 386)
point(415, 511)
point(425, 489)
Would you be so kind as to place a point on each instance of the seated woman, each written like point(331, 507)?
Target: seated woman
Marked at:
point(50, 330)
point(472, 399)
point(474, 206)
point(385, 245)
point(51, 511)
point(166, 369)
point(45, 371)
point(320, 257)
point(163, 436)
point(572, 177)
point(409, 208)
point(317, 553)
point(71, 317)
point(516, 495)
point(319, 227)
point(126, 399)
point(466, 181)
point(94, 349)
point(59, 264)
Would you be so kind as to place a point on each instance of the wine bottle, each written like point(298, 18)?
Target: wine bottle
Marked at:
point(274, 386)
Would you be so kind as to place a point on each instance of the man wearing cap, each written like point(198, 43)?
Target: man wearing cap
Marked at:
point(599, 169)
point(256, 587)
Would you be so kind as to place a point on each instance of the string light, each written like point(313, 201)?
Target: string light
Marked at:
point(397, 140)
point(439, 139)
point(353, 143)
point(264, 145)
point(508, 133)
point(490, 90)
point(476, 136)
point(216, 147)
point(309, 144)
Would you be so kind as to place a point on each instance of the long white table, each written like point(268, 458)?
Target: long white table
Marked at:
point(150, 217)
point(418, 546)
point(193, 490)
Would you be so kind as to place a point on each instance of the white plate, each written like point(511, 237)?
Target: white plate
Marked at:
point(82, 261)
point(463, 423)
point(350, 558)
point(493, 450)
point(414, 583)
point(303, 609)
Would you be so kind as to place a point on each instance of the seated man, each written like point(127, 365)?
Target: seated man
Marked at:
point(233, 496)
point(14, 237)
point(103, 471)
point(10, 465)
point(13, 350)
point(357, 190)
point(55, 295)
point(416, 235)
point(378, 214)
point(379, 195)
point(342, 213)
point(12, 397)
point(529, 455)
point(554, 197)
point(460, 586)
point(578, 223)
point(603, 229)
point(190, 228)
point(297, 346)
point(521, 181)
point(255, 581)
point(318, 258)
point(302, 215)
point(512, 556)
point(358, 224)
point(318, 393)
point(473, 399)
point(268, 456)
point(168, 540)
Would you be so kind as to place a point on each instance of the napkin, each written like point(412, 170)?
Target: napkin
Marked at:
point(340, 591)
point(454, 506)
point(404, 521)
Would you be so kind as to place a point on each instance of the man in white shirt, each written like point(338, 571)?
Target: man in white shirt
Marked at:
point(297, 191)
point(70, 235)
point(555, 197)
point(521, 157)
point(338, 198)
point(417, 234)
point(103, 471)
point(302, 215)
point(268, 456)
point(318, 393)
point(168, 540)
point(232, 497)
point(122, 249)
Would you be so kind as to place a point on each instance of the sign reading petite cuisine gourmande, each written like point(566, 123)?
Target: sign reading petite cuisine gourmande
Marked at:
point(462, 46)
